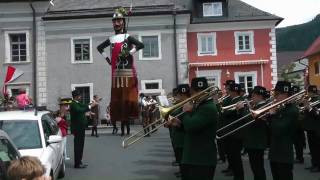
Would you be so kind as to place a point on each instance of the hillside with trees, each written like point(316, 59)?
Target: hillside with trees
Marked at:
point(298, 37)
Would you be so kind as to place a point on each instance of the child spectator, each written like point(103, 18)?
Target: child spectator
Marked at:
point(26, 168)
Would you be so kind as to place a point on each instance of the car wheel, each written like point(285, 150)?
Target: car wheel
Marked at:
point(62, 171)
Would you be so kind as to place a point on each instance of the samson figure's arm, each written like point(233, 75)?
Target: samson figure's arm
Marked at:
point(101, 48)
point(138, 45)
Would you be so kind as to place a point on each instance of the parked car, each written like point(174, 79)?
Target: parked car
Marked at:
point(36, 135)
point(8, 153)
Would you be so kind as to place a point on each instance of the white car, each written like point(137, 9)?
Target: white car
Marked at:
point(36, 135)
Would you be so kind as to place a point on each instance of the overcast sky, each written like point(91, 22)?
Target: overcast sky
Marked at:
point(293, 11)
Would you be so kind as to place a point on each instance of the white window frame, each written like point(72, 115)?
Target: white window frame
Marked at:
point(254, 75)
point(160, 90)
point(24, 85)
point(214, 48)
point(212, 13)
point(90, 85)
point(73, 61)
point(251, 42)
point(159, 46)
point(210, 73)
point(8, 46)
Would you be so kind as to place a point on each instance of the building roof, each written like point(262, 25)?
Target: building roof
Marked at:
point(313, 49)
point(67, 9)
point(239, 11)
point(287, 57)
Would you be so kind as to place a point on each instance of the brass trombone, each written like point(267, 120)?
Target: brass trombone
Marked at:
point(233, 106)
point(312, 105)
point(166, 111)
point(257, 114)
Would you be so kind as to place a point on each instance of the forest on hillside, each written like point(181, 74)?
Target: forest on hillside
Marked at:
point(298, 37)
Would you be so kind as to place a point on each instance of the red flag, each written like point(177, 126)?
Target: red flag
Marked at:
point(12, 74)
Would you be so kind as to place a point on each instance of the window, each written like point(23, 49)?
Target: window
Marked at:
point(317, 68)
point(152, 87)
point(152, 47)
point(28, 136)
point(244, 42)
point(14, 89)
point(207, 44)
point(212, 9)
point(49, 125)
point(85, 91)
point(246, 79)
point(17, 46)
point(81, 50)
point(213, 76)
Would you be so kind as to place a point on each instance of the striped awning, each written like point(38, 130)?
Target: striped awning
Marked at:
point(228, 63)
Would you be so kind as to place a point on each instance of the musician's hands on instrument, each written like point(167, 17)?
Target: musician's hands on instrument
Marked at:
point(93, 103)
point(173, 121)
point(240, 105)
point(273, 111)
point(187, 107)
point(215, 98)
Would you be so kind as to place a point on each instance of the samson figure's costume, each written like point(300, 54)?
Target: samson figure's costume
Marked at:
point(124, 92)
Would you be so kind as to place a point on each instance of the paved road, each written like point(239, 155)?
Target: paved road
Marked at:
point(147, 160)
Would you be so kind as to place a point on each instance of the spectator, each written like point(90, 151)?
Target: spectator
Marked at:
point(23, 100)
point(26, 168)
point(63, 126)
point(95, 115)
point(108, 118)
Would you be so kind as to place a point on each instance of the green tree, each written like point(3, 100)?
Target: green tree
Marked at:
point(287, 74)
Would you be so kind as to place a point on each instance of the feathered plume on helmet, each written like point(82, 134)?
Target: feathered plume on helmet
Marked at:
point(120, 13)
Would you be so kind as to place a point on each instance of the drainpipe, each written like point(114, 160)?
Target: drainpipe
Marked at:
point(34, 56)
point(174, 14)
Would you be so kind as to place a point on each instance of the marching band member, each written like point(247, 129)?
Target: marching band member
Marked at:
point(178, 131)
point(312, 125)
point(226, 101)
point(124, 90)
point(234, 142)
point(282, 126)
point(199, 155)
point(255, 140)
point(299, 137)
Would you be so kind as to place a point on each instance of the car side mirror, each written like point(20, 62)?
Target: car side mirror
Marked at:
point(54, 139)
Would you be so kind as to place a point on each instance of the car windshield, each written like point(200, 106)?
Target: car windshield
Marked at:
point(24, 134)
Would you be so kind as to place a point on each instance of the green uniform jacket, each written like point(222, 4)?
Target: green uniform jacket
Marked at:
point(230, 116)
point(282, 134)
point(311, 121)
point(177, 132)
point(256, 133)
point(223, 117)
point(200, 130)
point(77, 115)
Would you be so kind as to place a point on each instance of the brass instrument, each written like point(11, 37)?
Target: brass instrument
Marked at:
point(166, 111)
point(311, 105)
point(294, 97)
point(257, 114)
point(221, 136)
point(220, 100)
point(233, 106)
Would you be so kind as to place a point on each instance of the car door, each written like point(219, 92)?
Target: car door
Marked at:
point(54, 150)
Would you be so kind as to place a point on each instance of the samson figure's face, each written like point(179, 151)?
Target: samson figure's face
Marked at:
point(118, 25)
